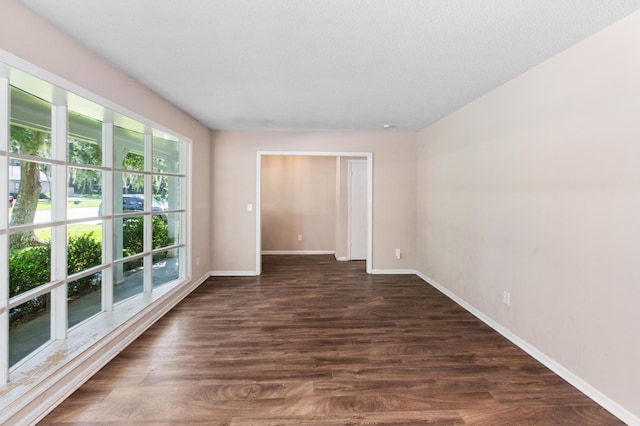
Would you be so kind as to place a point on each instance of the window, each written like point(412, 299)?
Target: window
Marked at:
point(98, 214)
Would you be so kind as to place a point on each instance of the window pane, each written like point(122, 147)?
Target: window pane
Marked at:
point(29, 265)
point(85, 140)
point(128, 191)
point(84, 298)
point(84, 193)
point(29, 327)
point(84, 246)
point(128, 150)
point(30, 124)
point(129, 280)
point(129, 236)
point(168, 191)
point(31, 183)
point(166, 230)
point(166, 267)
point(167, 155)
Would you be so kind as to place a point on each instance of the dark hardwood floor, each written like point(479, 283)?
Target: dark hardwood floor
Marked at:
point(319, 342)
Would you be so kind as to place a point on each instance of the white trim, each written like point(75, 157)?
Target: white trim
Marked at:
point(342, 259)
point(187, 225)
point(258, 201)
point(350, 164)
point(233, 273)
point(349, 171)
point(316, 153)
point(258, 212)
point(85, 349)
point(35, 404)
point(5, 106)
point(369, 265)
point(296, 252)
point(394, 272)
point(581, 385)
point(147, 219)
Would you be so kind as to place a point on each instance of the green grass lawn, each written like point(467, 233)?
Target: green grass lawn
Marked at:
point(73, 204)
point(44, 234)
point(83, 228)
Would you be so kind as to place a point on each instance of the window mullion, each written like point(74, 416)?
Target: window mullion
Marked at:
point(59, 232)
point(67, 155)
point(107, 225)
point(5, 105)
point(148, 207)
point(4, 237)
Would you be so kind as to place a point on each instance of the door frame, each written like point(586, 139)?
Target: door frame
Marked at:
point(258, 209)
point(349, 202)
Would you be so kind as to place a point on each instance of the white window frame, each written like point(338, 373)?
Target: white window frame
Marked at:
point(62, 94)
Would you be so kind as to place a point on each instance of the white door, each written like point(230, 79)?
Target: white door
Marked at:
point(357, 209)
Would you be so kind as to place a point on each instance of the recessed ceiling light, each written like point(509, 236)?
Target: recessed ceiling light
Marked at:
point(387, 126)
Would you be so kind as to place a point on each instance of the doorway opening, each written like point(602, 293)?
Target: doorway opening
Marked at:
point(363, 162)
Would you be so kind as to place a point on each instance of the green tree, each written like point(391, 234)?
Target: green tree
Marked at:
point(84, 181)
point(133, 183)
point(30, 142)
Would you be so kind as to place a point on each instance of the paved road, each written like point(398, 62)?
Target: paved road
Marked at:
point(43, 216)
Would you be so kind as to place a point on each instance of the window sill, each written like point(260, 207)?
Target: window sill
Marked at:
point(52, 374)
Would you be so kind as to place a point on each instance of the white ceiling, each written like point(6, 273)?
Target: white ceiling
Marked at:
point(327, 64)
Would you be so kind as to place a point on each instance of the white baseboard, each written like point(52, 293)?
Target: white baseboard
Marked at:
point(584, 387)
point(393, 271)
point(342, 259)
point(232, 273)
point(36, 403)
point(276, 252)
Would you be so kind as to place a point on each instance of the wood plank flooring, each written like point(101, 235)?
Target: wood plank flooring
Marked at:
point(319, 342)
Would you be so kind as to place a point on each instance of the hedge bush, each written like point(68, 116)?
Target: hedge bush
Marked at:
point(31, 267)
point(132, 237)
point(132, 242)
point(83, 252)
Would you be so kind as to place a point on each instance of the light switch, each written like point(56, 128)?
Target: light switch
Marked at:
point(249, 207)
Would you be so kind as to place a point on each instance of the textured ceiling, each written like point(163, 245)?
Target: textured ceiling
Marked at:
point(327, 64)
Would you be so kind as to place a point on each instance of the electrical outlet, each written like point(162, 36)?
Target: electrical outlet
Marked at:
point(506, 298)
point(398, 254)
point(299, 237)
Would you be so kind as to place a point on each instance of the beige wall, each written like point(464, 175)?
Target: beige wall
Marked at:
point(535, 189)
point(298, 198)
point(31, 38)
point(234, 186)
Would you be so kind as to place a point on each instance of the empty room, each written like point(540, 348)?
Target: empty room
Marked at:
point(320, 212)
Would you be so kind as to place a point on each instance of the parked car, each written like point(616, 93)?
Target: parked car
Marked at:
point(11, 200)
point(135, 203)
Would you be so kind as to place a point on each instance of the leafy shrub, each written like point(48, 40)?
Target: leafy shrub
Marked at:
point(161, 237)
point(132, 238)
point(83, 252)
point(29, 268)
